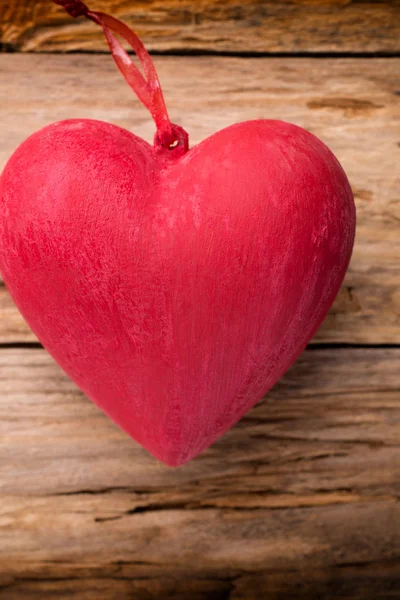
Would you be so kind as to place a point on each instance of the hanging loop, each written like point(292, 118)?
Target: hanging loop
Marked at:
point(147, 87)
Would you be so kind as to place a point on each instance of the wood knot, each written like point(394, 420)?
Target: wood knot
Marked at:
point(75, 8)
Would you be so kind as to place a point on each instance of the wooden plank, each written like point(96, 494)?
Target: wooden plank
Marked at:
point(351, 104)
point(300, 499)
point(212, 25)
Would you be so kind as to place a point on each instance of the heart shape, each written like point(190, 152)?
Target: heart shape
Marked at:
point(175, 288)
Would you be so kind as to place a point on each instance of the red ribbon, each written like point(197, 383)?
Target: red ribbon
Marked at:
point(147, 87)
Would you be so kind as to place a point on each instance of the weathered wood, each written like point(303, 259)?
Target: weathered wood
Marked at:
point(212, 25)
point(351, 104)
point(133, 582)
point(300, 499)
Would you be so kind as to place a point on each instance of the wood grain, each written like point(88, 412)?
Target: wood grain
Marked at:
point(353, 105)
point(300, 499)
point(212, 25)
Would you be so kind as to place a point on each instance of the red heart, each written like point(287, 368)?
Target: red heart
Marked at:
point(174, 288)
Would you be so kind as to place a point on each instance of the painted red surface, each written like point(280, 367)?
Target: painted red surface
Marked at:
point(175, 288)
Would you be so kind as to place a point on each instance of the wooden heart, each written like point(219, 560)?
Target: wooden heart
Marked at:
point(174, 287)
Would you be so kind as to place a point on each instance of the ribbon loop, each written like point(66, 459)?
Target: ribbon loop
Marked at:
point(146, 86)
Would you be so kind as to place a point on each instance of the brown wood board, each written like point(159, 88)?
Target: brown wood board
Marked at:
point(212, 25)
point(351, 104)
point(300, 499)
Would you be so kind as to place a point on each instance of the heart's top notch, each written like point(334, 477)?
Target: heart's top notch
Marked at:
point(169, 138)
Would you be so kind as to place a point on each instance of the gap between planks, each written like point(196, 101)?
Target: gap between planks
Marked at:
point(311, 346)
point(189, 52)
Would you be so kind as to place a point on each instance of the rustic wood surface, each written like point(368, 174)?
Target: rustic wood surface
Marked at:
point(212, 25)
point(299, 500)
point(351, 104)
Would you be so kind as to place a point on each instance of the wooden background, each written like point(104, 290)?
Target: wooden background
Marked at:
point(300, 499)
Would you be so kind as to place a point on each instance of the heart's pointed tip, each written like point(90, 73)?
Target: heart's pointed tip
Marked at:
point(174, 462)
point(174, 457)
